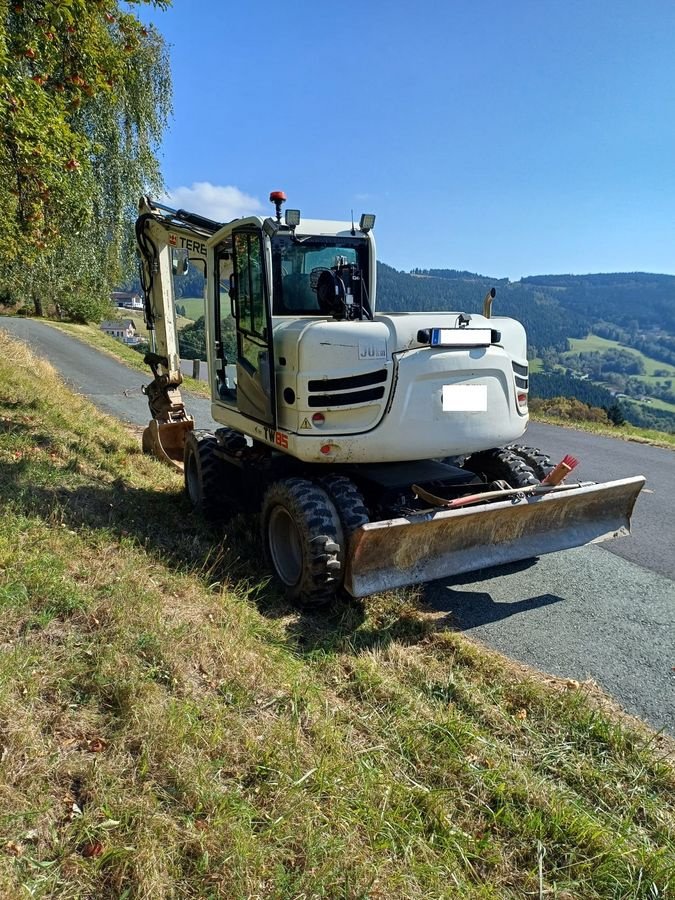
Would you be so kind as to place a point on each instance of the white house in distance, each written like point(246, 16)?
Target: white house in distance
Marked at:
point(127, 299)
point(123, 330)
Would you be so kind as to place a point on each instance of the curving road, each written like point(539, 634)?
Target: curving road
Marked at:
point(603, 612)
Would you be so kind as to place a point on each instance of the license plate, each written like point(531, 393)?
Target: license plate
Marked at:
point(464, 398)
point(461, 337)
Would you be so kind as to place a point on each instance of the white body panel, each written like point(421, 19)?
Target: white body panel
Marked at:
point(409, 420)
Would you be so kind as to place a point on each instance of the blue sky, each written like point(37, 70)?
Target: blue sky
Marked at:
point(507, 138)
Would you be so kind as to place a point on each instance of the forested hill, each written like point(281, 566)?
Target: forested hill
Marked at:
point(546, 320)
point(632, 300)
point(551, 307)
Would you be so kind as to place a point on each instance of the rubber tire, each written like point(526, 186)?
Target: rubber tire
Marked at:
point(320, 540)
point(348, 501)
point(539, 462)
point(501, 465)
point(204, 475)
point(231, 441)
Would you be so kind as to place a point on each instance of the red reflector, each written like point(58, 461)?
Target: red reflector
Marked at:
point(522, 399)
point(326, 449)
point(277, 195)
point(318, 418)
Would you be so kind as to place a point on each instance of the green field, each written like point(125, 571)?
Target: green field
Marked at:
point(594, 343)
point(194, 306)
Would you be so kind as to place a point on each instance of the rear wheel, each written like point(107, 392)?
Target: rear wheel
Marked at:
point(304, 540)
point(539, 462)
point(204, 474)
point(348, 501)
point(501, 465)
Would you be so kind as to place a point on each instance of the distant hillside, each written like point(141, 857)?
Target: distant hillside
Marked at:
point(629, 299)
point(552, 307)
point(547, 322)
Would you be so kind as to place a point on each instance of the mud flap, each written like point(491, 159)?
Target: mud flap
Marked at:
point(166, 440)
point(398, 552)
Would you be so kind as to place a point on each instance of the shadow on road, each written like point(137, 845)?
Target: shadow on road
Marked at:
point(470, 609)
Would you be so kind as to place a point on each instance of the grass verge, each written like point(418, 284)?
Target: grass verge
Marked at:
point(170, 728)
point(622, 432)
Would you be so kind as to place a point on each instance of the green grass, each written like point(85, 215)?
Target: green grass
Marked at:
point(594, 343)
point(194, 306)
point(171, 728)
point(92, 335)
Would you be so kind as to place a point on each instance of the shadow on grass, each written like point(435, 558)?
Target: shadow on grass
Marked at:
point(164, 525)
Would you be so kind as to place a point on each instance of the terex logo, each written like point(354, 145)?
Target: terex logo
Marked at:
point(189, 244)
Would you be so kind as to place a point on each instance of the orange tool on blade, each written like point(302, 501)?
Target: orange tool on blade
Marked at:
point(561, 471)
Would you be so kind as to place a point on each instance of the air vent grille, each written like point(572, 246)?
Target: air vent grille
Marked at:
point(348, 382)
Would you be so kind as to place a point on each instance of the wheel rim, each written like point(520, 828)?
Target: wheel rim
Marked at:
point(285, 547)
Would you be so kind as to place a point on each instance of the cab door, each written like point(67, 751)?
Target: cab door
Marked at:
point(255, 357)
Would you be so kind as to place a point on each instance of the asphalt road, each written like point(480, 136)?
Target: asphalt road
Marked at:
point(603, 612)
point(112, 386)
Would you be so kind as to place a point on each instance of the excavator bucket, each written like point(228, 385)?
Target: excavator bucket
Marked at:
point(439, 544)
point(166, 440)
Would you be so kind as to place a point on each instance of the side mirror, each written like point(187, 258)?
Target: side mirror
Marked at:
point(180, 262)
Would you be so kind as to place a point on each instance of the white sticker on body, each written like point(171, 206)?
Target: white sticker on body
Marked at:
point(464, 398)
point(372, 348)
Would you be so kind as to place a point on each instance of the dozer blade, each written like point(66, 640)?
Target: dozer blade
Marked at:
point(166, 440)
point(399, 552)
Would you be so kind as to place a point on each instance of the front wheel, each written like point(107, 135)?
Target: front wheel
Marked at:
point(303, 540)
point(204, 474)
point(501, 465)
point(539, 462)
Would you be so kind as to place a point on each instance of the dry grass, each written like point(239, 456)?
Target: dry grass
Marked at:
point(169, 728)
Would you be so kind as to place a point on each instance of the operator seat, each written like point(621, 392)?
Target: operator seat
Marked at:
point(298, 296)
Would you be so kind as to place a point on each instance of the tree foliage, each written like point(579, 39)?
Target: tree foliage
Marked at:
point(192, 339)
point(84, 96)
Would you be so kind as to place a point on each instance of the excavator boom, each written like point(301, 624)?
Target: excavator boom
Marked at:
point(167, 239)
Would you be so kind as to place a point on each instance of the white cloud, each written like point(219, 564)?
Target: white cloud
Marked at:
point(215, 201)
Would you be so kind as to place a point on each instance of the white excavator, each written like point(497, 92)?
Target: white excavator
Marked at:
point(378, 448)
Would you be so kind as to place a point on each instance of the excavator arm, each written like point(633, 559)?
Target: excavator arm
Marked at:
point(167, 239)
